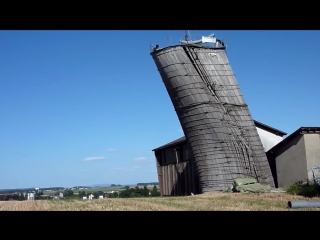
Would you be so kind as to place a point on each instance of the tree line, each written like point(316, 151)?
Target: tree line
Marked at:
point(8, 197)
point(68, 193)
point(139, 192)
point(19, 196)
point(127, 193)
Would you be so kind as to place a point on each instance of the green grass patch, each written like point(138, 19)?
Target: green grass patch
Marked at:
point(308, 189)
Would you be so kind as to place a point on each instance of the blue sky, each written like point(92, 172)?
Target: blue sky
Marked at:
point(87, 107)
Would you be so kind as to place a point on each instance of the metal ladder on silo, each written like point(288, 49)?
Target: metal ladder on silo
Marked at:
point(206, 79)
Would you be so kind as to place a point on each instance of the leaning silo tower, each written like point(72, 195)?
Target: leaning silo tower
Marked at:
point(212, 112)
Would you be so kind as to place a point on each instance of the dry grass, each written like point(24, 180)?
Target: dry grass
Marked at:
point(203, 202)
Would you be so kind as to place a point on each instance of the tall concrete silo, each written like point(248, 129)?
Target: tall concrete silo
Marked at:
point(213, 113)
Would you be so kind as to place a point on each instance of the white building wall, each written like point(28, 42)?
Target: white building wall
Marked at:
point(30, 196)
point(312, 145)
point(268, 139)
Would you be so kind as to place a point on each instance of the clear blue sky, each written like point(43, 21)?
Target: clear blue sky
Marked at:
point(87, 107)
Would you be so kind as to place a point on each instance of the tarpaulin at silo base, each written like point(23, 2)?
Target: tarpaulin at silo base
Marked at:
point(244, 181)
point(249, 185)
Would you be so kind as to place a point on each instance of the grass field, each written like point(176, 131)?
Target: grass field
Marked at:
point(203, 202)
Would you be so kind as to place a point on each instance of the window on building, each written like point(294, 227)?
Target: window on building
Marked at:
point(186, 153)
point(159, 157)
point(171, 156)
point(163, 157)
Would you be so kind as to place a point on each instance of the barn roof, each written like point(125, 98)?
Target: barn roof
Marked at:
point(269, 129)
point(258, 124)
point(301, 130)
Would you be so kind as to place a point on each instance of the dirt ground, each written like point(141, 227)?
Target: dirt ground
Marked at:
point(203, 202)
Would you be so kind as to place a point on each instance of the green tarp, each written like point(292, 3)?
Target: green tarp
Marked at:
point(244, 181)
point(248, 185)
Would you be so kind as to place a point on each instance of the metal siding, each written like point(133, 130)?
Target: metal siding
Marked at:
point(174, 188)
point(171, 179)
point(186, 178)
point(214, 116)
point(172, 182)
point(158, 170)
point(164, 180)
point(167, 180)
point(167, 183)
point(175, 183)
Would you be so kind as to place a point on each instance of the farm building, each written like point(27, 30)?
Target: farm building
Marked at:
point(31, 196)
point(293, 158)
point(91, 196)
point(176, 170)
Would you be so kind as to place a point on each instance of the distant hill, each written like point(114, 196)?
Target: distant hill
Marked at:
point(146, 184)
point(102, 185)
point(2, 191)
point(28, 189)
